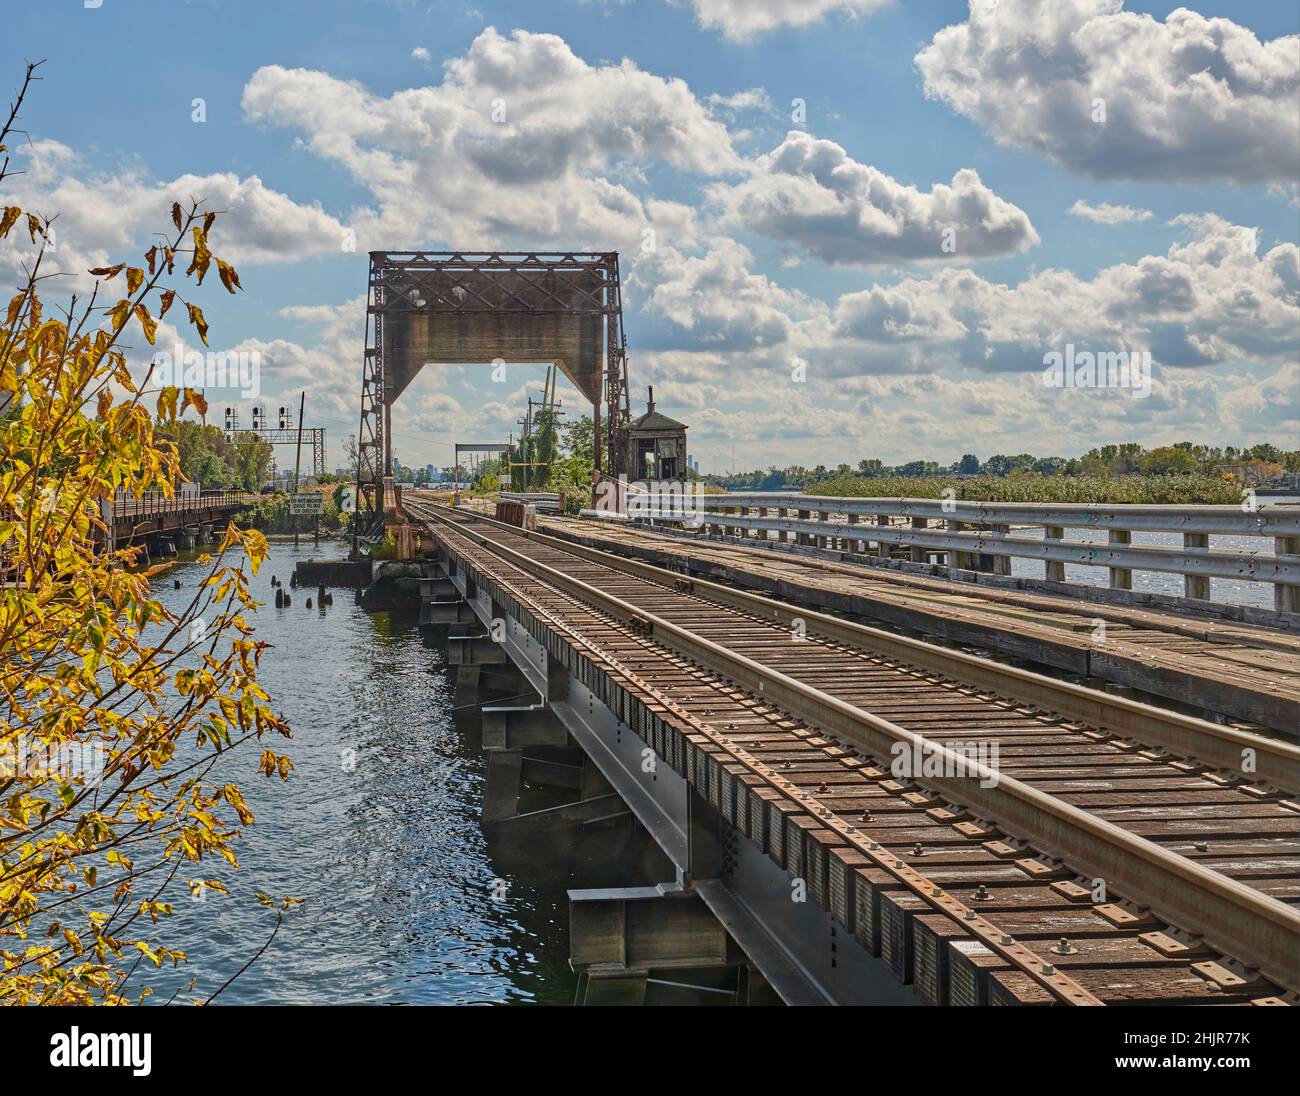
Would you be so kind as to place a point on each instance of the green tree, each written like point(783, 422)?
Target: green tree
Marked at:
point(252, 458)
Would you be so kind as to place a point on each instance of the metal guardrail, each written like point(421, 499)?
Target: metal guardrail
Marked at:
point(547, 502)
point(977, 535)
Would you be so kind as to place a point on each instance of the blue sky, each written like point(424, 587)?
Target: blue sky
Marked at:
point(776, 239)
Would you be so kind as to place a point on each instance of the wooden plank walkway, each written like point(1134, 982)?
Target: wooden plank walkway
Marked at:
point(1246, 673)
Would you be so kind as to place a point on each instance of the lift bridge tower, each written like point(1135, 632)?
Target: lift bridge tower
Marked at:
point(456, 307)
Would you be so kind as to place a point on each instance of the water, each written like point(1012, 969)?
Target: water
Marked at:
point(398, 877)
point(1231, 591)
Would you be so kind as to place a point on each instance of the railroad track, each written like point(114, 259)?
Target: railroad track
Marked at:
point(1245, 673)
point(802, 714)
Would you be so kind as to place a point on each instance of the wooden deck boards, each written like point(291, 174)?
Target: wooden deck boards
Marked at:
point(1247, 673)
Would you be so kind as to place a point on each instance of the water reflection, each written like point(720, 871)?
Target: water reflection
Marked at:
point(377, 828)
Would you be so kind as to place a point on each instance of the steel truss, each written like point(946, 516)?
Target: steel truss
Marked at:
point(451, 295)
point(315, 435)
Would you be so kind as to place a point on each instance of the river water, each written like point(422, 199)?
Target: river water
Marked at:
point(405, 902)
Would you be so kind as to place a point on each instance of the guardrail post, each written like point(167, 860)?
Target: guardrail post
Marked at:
point(956, 560)
point(783, 534)
point(992, 563)
point(1054, 569)
point(918, 554)
point(803, 538)
point(1197, 586)
point(883, 547)
point(855, 546)
point(822, 517)
point(1286, 596)
point(1121, 578)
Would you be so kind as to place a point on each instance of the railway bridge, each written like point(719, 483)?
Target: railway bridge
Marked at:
point(153, 517)
point(846, 812)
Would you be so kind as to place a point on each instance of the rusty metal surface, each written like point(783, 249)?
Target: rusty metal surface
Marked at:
point(445, 307)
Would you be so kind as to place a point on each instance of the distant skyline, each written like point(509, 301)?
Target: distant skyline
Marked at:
point(848, 228)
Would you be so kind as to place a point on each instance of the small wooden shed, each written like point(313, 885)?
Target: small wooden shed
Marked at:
point(656, 445)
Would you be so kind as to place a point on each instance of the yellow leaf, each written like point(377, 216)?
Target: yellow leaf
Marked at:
point(149, 324)
point(196, 318)
point(229, 278)
point(167, 403)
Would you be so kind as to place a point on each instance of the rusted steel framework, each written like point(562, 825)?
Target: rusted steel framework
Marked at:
point(433, 307)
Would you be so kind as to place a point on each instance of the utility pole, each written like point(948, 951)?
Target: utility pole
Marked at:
point(297, 461)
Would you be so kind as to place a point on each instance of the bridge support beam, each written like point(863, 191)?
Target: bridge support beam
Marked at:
point(1286, 597)
point(466, 688)
point(1121, 578)
point(918, 555)
point(644, 927)
point(501, 787)
point(433, 587)
point(518, 726)
point(446, 613)
point(1197, 586)
point(1054, 569)
point(474, 650)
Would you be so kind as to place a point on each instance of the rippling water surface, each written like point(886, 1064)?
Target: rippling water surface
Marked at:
point(402, 895)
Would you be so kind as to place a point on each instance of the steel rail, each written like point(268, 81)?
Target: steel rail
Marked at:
point(1243, 923)
point(1260, 757)
point(1019, 955)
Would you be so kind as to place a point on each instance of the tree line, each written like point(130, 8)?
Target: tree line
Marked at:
point(1254, 464)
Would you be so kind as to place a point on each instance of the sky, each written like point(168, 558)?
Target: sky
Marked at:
point(848, 228)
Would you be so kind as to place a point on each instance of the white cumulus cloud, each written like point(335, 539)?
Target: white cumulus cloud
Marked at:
point(739, 20)
point(812, 195)
point(1120, 95)
point(1103, 213)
